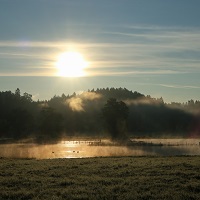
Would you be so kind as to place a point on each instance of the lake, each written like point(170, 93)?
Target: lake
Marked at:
point(89, 148)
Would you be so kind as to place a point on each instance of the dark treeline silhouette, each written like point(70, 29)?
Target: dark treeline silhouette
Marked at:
point(91, 112)
point(115, 114)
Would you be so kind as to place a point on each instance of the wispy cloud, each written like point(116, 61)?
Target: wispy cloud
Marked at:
point(175, 86)
point(135, 49)
point(32, 44)
point(180, 86)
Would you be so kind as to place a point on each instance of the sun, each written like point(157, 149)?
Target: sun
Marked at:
point(71, 64)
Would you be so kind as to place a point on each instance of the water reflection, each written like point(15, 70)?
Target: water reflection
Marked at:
point(80, 149)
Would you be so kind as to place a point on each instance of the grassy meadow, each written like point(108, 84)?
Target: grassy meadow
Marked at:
point(175, 177)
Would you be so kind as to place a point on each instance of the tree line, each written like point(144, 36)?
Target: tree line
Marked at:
point(113, 112)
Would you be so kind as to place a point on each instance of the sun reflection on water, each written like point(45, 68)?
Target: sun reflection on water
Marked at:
point(82, 149)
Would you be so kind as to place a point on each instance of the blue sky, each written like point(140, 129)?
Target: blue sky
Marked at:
point(149, 46)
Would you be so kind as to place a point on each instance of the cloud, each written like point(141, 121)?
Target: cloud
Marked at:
point(133, 49)
point(165, 49)
point(180, 86)
point(32, 44)
point(175, 86)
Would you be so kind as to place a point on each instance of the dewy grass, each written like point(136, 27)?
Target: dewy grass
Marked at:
point(101, 178)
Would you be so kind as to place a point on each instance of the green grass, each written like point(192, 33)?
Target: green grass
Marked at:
point(101, 178)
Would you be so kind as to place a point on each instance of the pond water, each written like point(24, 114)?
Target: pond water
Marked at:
point(81, 149)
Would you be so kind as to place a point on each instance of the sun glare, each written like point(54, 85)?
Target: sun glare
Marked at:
point(71, 64)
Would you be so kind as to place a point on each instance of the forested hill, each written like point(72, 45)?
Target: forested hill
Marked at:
point(79, 114)
point(118, 93)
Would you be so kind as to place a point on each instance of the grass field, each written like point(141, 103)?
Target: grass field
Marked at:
point(101, 178)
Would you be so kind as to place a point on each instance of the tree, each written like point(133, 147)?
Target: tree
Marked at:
point(115, 114)
point(27, 97)
point(20, 123)
point(50, 124)
point(17, 93)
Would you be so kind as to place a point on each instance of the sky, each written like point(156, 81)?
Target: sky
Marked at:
point(148, 46)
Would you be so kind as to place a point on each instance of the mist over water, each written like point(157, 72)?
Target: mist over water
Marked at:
point(77, 103)
point(81, 149)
